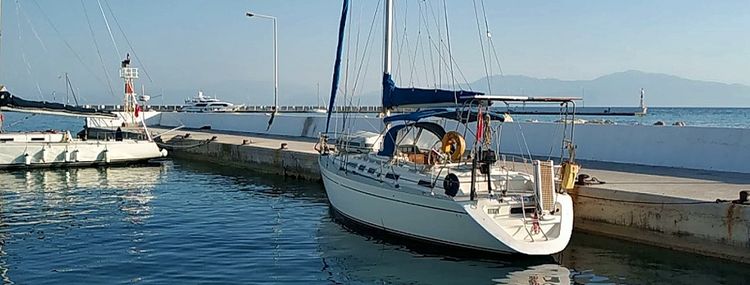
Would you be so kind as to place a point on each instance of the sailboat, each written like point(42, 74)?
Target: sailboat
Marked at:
point(423, 179)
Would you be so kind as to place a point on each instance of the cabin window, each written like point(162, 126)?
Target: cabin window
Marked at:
point(37, 139)
point(371, 170)
point(6, 140)
point(351, 165)
point(362, 168)
point(392, 176)
point(425, 183)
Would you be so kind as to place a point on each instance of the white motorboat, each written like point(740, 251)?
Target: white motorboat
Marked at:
point(423, 179)
point(60, 149)
point(205, 104)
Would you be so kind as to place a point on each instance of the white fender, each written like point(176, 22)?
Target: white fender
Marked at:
point(164, 153)
point(66, 156)
point(74, 156)
point(26, 159)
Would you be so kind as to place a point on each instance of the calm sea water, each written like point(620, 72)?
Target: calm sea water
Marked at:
point(191, 223)
point(703, 117)
point(699, 117)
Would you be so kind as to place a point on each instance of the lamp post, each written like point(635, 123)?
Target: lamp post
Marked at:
point(275, 58)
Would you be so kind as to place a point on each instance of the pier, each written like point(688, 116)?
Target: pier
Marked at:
point(680, 209)
point(511, 109)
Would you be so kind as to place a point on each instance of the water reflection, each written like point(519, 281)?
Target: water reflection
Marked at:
point(44, 206)
point(197, 223)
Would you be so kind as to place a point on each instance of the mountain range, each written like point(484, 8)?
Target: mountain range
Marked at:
point(612, 90)
point(623, 89)
point(616, 89)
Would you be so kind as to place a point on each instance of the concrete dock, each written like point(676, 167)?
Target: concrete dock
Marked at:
point(666, 207)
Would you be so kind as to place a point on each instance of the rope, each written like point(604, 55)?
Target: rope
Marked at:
point(717, 201)
point(21, 120)
point(173, 146)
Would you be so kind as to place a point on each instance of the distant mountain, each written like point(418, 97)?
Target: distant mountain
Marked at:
point(623, 89)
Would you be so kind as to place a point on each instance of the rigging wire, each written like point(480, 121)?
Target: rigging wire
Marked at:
point(366, 48)
point(451, 62)
point(417, 46)
point(404, 41)
point(429, 39)
point(67, 44)
point(119, 27)
point(489, 39)
point(111, 36)
point(450, 52)
point(31, 25)
point(98, 52)
point(481, 44)
point(23, 52)
point(439, 46)
point(346, 71)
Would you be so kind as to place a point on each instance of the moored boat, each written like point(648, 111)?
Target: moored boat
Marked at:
point(424, 178)
point(205, 104)
point(60, 149)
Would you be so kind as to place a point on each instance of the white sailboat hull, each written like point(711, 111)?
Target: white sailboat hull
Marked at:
point(32, 154)
point(428, 219)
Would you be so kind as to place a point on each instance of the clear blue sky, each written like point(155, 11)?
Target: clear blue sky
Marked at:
point(188, 45)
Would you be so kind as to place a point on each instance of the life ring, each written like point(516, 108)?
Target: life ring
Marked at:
point(454, 145)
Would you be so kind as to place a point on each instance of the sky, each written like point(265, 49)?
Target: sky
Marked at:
point(210, 45)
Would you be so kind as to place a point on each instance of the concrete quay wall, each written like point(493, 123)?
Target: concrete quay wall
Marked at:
point(260, 157)
point(704, 148)
point(713, 229)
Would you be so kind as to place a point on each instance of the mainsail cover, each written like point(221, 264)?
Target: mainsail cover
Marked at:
point(10, 102)
point(416, 97)
point(337, 63)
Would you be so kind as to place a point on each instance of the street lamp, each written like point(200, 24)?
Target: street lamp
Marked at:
point(275, 58)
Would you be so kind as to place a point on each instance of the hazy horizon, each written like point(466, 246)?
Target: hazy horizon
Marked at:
point(191, 45)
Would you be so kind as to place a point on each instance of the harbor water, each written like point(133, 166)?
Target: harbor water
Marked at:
point(697, 117)
point(192, 223)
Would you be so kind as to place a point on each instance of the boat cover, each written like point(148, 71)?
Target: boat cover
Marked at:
point(464, 116)
point(10, 102)
point(405, 97)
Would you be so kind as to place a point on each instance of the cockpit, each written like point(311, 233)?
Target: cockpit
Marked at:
point(417, 142)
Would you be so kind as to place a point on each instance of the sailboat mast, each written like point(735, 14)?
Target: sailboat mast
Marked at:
point(387, 47)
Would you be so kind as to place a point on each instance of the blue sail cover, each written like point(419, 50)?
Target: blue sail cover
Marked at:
point(465, 116)
point(394, 96)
